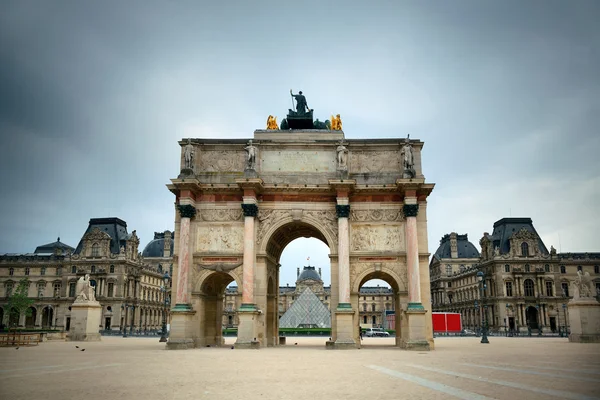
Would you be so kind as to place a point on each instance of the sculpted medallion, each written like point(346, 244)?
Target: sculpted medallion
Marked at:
point(221, 161)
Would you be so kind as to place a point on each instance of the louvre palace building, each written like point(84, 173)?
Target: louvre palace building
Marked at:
point(525, 287)
point(129, 284)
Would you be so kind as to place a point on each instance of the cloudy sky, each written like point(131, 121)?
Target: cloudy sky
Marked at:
point(95, 95)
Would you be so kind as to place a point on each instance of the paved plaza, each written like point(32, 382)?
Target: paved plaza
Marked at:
point(140, 368)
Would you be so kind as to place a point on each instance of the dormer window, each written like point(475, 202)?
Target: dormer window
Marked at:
point(527, 268)
point(73, 269)
point(93, 269)
point(524, 249)
point(95, 250)
point(563, 269)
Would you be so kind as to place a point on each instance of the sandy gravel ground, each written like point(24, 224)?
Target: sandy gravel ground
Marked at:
point(140, 368)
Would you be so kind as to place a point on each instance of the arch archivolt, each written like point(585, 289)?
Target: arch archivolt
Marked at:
point(396, 270)
point(271, 220)
point(200, 275)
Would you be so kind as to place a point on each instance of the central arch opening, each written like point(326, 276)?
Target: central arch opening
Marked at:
point(299, 286)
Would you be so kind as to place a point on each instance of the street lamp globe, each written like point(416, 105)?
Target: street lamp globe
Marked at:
point(480, 275)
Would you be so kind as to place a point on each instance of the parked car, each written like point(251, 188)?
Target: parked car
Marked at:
point(371, 332)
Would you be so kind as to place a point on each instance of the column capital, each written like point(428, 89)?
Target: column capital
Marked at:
point(342, 211)
point(410, 210)
point(250, 210)
point(186, 210)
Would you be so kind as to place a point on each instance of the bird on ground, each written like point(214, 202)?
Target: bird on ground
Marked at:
point(16, 348)
point(76, 347)
point(231, 347)
point(82, 349)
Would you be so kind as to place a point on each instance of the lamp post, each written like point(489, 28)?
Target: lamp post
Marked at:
point(132, 319)
point(478, 326)
point(565, 314)
point(510, 332)
point(124, 310)
point(163, 337)
point(480, 278)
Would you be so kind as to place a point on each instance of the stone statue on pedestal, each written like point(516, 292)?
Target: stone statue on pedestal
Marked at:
point(85, 291)
point(251, 155)
point(342, 156)
point(582, 285)
point(188, 155)
point(301, 106)
point(408, 161)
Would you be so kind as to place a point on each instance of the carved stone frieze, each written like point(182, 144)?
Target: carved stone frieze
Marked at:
point(328, 219)
point(377, 238)
point(375, 161)
point(224, 239)
point(221, 161)
point(376, 215)
point(220, 215)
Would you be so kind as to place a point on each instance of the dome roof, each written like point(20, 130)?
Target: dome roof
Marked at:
point(156, 248)
point(465, 248)
point(309, 273)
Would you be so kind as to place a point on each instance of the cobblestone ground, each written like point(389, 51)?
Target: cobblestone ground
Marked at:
point(140, 368)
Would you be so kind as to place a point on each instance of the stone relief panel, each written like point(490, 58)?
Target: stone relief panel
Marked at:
point(298, 161)
point(220, 161)
point(329, 220)
point(377, 238)
point(222, 239)
point(375, 161)
point(376, 215)
point(266, 219)
point(220, 215)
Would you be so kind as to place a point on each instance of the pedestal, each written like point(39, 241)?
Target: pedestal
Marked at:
point(414, 329)
point(584, 320)
point(85, 320)
point(345, 330)
point(182, 335)
point(246, 339)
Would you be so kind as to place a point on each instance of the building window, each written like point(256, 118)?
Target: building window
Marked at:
point(596, 269)
point(373, 307)
point(365, 319)
point(374, 320)
point(58, 271)
point(73, 269)
point(546, 268)
point(450, 297)
point(448, 270)
point(524, 249)
point(111, 289)
point(43, 271)
point(527, 268)
point(372, 297)
point(95, 250)
point(387, 297)
point(565, 289)
point(449, 284)
point(27, 271)
point(11, 271)
point(365, 307)
point(597, 288)
point(72, 289)
point(528, 287)
point(9, 288)
point(549, 291)
point(563, 269)
point(112, 269)
point(579, 268)
point(506, 268)
point(57, 290)
point(93, 269)
point(509, 292)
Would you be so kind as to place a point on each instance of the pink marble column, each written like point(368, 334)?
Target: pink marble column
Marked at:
point(183, 298)
point(250, 212)
point(343, 212)
point(412, 256)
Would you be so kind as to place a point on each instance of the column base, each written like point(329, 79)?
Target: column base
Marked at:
point(246, 338)
point(344, 316)
point(414, 334)
point(182, 335)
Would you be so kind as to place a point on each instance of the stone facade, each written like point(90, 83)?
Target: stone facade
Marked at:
point(236, 213)
point(527, 286)
point(127, 288)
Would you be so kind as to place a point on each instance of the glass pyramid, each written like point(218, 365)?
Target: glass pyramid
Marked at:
point(306, 312)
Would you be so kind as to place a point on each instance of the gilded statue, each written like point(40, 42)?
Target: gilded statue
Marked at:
point(336, 123)
point(272, 123)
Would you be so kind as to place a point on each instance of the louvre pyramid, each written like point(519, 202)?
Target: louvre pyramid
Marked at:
point(306, 311)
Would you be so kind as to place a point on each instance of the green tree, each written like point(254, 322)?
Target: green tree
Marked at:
point(19, 302)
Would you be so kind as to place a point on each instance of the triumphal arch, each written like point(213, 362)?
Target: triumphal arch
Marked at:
point(239, 202)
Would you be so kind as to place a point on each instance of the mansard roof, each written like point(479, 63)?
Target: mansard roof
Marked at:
point(156, 248)
point(51, 247)
point(506, 227)
point(116, 228)
point(465, 248)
